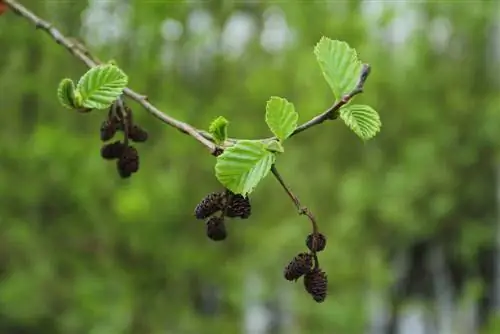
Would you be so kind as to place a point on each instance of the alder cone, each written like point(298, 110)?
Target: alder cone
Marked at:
point(316, 284)
point(239, 206)
point(108, 130)
point(300, 265)
point(112, 150)
point(137, 134)
point(128, 163)
point(216, 228)
point(209, 205)
point(320, 242)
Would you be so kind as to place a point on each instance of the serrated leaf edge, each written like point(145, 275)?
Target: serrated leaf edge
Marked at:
point(86, 80)
point(346, 114)
point(284, 104)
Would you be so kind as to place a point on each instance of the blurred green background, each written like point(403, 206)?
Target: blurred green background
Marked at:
point(412, 216)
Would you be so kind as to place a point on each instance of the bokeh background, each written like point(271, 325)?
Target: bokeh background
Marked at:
point(412, 216)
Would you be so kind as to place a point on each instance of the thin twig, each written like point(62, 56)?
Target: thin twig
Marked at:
point(333, 112)
point(80, 52)
point(83, 55)
point(303, 210)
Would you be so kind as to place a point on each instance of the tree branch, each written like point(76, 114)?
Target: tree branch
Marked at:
point(333, 112)
point(79, 52)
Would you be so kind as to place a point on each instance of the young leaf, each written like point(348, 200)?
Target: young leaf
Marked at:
point(218, 129)
point(66, 94)
point(275, 146)
point(101, 86)
point(281, 117)
point(340, 65)
point(242, 166)
point(362, 119)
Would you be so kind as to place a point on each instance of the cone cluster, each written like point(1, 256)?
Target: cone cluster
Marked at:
point(215, 207)
point(306, 265)
point(119, 119)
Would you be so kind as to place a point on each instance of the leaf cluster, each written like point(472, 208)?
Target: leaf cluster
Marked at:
point(243, 165)
point(98, 88)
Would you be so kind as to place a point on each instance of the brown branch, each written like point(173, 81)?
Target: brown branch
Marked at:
point(82, 54)
point(300, 208)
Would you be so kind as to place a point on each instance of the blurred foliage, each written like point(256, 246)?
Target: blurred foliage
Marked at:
point(82, 251)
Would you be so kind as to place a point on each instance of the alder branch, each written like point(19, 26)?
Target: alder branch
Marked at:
point(331, 113)
point(81, 53)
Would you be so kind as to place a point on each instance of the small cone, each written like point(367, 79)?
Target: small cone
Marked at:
point(300, 265)
point(239, 207)
point(128, 163)
point(137, 134)
point(316, 284)
point(216, 229)
point(209, 205)
point(108, 130)
point(112, 150)
point(320, 242)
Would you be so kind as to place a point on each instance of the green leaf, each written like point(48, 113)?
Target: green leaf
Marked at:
point(218, 129)
point(362, 119)
point(281, 117)
point(66, 94)
point(242, 166)
point(275, 146)
point(340, 65)
point(101, 86)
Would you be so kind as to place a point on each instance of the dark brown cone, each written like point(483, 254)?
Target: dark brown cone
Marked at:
point(216, 229)
point(300, 265)
point(239, 207)
point(108, 130)
point(320, 242)
point(137, 134)
point(209, 205)
point(128, 163)
point(316, 284)
point(112, 150)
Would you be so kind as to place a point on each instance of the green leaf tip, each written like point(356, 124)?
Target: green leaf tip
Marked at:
point(281, 117)
point(66, 94)
point(362, 119)
point(339, 64)
point(101, 86)
point(242, 166)
point(218, 129)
